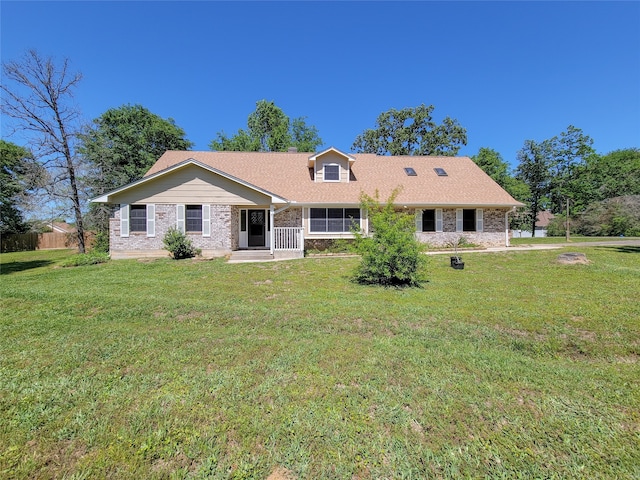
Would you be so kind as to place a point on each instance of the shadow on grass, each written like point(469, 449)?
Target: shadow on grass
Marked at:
point(12, 267)
point(621, 248)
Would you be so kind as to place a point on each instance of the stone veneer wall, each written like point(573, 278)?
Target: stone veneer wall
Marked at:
point(492, 235)
point(137, 244)
point(291, 217)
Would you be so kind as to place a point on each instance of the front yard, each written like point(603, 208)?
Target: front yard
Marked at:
point(515, 367)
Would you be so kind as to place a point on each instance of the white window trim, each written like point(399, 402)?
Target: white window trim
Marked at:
point(124, 220)
point(151, 220)
point(439, 221)
point(206, 220)
point(479, 220)
point(324, 171)
point(459, 220)
point(180, 218)
point(419, 220)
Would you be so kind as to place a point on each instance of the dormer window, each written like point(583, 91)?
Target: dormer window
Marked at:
point(331, 172)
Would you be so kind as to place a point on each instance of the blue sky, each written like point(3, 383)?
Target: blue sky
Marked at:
point(507, 71)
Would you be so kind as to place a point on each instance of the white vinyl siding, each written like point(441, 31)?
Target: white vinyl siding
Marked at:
point(180, 221)
point(151, 220)
point(206, 220)
point(124, 220)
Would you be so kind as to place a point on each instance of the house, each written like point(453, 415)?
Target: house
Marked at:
point(61, 227)
point(285, 202)
point(542, 223)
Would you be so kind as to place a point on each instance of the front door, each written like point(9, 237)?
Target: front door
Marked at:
point(256, 228)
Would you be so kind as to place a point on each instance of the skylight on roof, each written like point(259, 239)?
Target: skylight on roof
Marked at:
point(410, 172)
point(441, 172)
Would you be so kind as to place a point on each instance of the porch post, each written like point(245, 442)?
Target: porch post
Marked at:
point(272, 234)
point(506, 228)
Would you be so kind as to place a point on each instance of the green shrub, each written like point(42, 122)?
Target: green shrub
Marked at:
point(391, 256)
point(179, 245)
point(81, 259)
point(101, 242)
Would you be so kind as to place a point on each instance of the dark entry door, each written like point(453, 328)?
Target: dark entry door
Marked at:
point(256, 229)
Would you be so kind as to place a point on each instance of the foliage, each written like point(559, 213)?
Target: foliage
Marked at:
point(391, 255)
point(492, 163)
point(120, 146)
point(611, 217)
point(82, 259)
point(179, 245)
point(19, 175)
point(270, 130)
point(411, 131)
point(101, 242)
point(612, 175)
point(533, 169)
point(37, 96)
point(168, 369)
point(566, 152)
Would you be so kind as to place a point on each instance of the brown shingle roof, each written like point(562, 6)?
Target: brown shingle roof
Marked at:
point(288, 175)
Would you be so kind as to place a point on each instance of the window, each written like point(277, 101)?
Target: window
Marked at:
point(194, 218)
point(428, 220)
point(335, 220)
point(441, 172)
point(243, 220)
point(331, 172)
point(138, 218)
point(410, 172)
point(469, 220)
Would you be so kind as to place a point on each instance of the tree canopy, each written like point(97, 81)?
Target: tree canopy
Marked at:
point(270, 130)
point(123, 143)
point(411, 131)
point(492, 163)
point(16, 166)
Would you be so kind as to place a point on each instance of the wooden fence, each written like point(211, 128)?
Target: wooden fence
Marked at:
point(41, 241)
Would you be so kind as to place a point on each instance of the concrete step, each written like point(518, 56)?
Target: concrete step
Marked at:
point(238, 256)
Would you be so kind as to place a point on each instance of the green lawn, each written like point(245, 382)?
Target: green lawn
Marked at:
point(515, 367)
point(572, 239)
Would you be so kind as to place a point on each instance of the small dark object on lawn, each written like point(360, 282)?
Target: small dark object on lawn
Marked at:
point(457, 263)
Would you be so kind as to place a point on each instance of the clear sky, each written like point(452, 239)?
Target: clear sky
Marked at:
point(507, 71)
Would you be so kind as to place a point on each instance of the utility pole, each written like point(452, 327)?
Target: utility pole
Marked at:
point(567, 229)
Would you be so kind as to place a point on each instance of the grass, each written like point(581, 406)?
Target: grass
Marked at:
point(560, 240)
point(515, 367)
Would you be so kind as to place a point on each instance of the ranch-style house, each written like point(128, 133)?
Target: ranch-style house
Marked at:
point(282, 203)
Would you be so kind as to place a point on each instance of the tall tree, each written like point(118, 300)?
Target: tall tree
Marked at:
point(411, 131)
point(19, 175)
point(492, 163)
point(270, 130)
point(38, 98)
point(120, 146)
point(533, 169)
point(567, 151)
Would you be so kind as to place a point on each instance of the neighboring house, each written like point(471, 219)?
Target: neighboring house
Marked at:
point(542, 223)
point(285, 202)
point(61, 227)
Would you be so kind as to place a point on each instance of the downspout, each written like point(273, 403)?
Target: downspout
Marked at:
point(506, 226)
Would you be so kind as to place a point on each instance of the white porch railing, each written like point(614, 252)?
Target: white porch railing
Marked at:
point(288, 238)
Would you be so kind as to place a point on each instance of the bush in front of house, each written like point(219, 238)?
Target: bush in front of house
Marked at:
point(91, 258)
point(179, 245)
point(391, 256)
